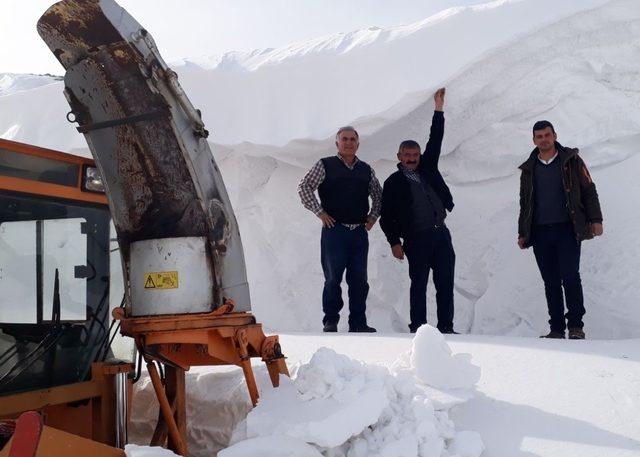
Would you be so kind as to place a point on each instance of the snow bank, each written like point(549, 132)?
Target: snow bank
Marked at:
point(300, 91)
point(345, 407)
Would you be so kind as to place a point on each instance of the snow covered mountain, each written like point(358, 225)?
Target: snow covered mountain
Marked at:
point(574, 63)
point(304, 90)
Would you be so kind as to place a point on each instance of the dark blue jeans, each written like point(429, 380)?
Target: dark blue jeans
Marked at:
point(557, 253)
point(344, 249)
point(431, 249)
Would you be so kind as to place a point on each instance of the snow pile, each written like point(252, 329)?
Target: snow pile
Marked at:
point(217, 400)
point(435, 365)
point(337, 406)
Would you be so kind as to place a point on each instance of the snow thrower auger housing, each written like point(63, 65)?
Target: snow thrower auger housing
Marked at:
point(186, 292)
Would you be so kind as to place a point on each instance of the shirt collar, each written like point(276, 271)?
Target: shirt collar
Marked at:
point(350, 167)
point(547, 162)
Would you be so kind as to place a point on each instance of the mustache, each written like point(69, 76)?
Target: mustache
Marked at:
point(413, 162)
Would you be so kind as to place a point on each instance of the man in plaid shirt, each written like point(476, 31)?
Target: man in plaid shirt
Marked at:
point(344, 184)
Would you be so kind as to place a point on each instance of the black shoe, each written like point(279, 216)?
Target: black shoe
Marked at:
point(448, 331)
point(576, 334)
point(362, 329)
point(330, 327)
point(554, 335)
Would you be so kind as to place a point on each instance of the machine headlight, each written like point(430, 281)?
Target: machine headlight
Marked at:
point(92, 180)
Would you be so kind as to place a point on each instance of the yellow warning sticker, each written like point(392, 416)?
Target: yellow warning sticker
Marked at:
point(161, 280)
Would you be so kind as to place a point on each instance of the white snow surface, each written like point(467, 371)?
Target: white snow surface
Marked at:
point(543, 398)
point(339, 406)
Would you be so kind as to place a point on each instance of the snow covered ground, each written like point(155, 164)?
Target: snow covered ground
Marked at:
point(539, 398)
point(505, 65)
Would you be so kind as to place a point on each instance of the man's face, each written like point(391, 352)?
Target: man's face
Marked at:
point(544, 139)
point(410, 158)
point(347, 143)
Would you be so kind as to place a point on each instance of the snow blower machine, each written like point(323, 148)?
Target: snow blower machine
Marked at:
point(186, 300)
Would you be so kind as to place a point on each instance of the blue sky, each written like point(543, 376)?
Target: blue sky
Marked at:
point(194, 28)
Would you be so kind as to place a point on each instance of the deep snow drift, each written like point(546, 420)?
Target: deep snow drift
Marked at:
point(579, 72)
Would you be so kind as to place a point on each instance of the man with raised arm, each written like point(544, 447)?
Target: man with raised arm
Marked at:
point(415, 201)
point(344, 184)
point(559, 207)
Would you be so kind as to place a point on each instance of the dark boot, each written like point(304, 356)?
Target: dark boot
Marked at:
point(449, 331)
point(576, 333)
point(330, 327)
point(364, 328)
point(554, 335)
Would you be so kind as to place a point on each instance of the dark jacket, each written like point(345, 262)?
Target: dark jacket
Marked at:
point(395, 216)
point(579, 190)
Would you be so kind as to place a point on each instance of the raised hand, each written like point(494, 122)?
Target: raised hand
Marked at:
point(438, 97)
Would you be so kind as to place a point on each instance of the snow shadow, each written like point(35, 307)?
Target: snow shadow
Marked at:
point(505, 426)
point(615, 349)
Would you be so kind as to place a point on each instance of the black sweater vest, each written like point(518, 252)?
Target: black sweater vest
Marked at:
point(344, 193)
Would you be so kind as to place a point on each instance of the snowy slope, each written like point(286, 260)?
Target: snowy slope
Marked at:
point(11, 83)
point(580, 72)
point(534, 398)
point(305, 90)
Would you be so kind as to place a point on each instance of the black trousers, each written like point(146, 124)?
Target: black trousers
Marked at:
point(431, 250)
point(557, 253)
point(344, 249)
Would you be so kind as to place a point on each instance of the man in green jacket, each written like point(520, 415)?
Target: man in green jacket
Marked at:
point(559, 208)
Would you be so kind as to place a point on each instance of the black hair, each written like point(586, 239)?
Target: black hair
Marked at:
point(541, 125)
point(408, 144)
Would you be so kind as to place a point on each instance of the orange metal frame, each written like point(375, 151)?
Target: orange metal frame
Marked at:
point(85, 409)
point(42, 188)
point(221, 337)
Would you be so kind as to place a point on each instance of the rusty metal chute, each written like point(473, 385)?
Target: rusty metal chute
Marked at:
point(148, 141)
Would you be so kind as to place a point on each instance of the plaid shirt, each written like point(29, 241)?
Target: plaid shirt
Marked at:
point(411, 174)
point(312, 180)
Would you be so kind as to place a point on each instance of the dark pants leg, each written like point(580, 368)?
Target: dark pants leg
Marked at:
point(343, 249)
point(443, 265)
point(557, 253)
point(418, 252)
point(357, 276)
point(431, 249)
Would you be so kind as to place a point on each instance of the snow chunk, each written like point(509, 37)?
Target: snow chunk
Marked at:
point(271, 446)
point(338, 398)
point(435, 365)
point(133, 450)
point(467, 444)
point(344, 407)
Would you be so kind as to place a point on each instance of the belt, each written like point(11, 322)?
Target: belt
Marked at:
point(352, 226)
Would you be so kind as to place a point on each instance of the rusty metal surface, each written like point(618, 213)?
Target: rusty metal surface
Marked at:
point(72, 28)
point(159, 174)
